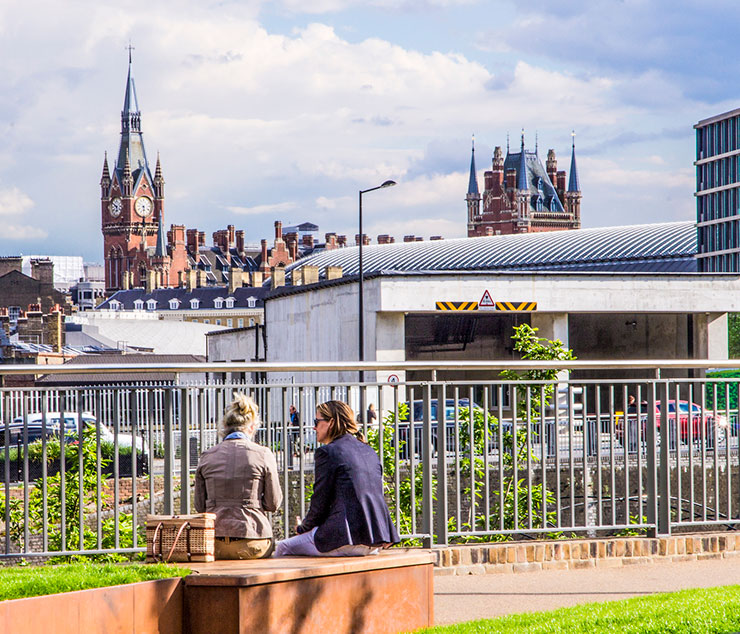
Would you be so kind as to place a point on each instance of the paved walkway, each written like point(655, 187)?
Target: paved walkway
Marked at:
point(467, 598)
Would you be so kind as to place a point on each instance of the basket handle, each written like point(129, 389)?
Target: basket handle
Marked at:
point(183, 526)
point(157, 531)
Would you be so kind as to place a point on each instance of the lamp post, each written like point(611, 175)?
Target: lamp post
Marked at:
point(361, 306)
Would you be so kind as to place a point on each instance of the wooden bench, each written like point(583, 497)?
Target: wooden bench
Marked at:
point(389, 592)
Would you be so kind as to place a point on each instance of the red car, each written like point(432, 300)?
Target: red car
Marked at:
point(711, 425)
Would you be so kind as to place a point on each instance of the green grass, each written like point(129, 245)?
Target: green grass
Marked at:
point(701, 611)
point(17, 582)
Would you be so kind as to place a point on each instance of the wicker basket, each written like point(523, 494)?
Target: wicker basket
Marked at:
point(180, 537)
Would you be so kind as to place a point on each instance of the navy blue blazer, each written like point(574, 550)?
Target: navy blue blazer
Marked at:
point(347, 504)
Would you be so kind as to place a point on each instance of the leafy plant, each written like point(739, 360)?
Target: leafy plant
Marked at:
point(63, 505)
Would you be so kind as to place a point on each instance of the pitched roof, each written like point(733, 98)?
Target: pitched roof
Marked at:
point(205, 295)
point(531, 175)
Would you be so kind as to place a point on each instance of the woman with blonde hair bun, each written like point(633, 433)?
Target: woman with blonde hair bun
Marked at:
point(238, 481)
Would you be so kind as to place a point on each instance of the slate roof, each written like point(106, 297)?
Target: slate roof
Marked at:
point(533, 174)
point(659, 247)
point(120, 377)
point(206, 295)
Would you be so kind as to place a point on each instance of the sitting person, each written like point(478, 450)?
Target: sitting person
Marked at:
point(238, 481)
point(348, 515)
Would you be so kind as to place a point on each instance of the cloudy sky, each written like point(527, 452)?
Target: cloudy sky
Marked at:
point(285, 109)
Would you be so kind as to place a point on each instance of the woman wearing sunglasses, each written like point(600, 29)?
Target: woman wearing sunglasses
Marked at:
point(348, 516)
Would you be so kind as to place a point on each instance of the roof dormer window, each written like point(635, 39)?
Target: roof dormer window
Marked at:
point(114, 304)
point(194, 304)
point(174, 303)
point(139, 304)
point(229, 302)
point(218, 302)
point(251, 302)
point(151, 304)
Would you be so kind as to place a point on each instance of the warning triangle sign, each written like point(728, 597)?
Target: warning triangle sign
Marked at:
point(486, 300)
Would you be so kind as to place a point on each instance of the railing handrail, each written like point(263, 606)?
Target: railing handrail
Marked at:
point(369, 366)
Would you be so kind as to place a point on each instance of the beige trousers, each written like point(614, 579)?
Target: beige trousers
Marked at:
point(235, 548)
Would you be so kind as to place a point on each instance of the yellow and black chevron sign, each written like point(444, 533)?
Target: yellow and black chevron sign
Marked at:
point(519, 307)
point(457, 305)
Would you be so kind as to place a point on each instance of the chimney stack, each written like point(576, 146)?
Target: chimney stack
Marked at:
point(257, 278)
point(235, 279)
point(333, 272)
point(277, 275)
point(151, 280)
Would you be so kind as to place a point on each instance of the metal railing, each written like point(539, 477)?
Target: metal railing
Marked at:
point(463, 460)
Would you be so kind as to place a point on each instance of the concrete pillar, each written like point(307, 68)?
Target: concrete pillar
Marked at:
point(710, 336)
point(551, 326)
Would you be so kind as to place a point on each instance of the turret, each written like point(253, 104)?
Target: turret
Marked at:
point(522, 187)
point(127, 183)
point(105, 180)
point(473, 197)
point(158, 180)
point(573, 195)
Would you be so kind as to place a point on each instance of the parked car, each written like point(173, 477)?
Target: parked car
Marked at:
point(713, 426)
point(451, 406)
point(71, 426)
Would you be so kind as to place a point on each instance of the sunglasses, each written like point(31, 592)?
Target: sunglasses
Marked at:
point(316, 421)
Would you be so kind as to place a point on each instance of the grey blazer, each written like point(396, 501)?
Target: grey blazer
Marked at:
point(238, 481)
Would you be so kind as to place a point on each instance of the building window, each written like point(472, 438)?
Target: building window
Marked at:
point(114, 304)
point(230, 323)
point(14, 312)
point(230, 302)
point(218, 322)
point(151, 304)
point(206, 321)
point(240, 323)
point(251, 302)
point(174, 303)
point(251, 321)
point(218, 302)
point(194, 304)
point(139, 304)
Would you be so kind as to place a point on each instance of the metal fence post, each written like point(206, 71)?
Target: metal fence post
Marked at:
point(427, 499)
point(184, 452)
point(169, 446)
point(441, 505)
point(664, 468)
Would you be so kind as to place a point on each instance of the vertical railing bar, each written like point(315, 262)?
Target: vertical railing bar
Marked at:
point(300, 449)
point(80, 469)
point(397, 470)
point(116, 469)
point(544, 447)
point(98, 471)
point(442, 514)
point(458, 492)
point(285, 451)
point(514, 454)
point(412, 459)
point(63, 473)
point(24, 448)
point(44, 472)
point(599, 483)
point(501, 453)
point(556, 433)
point(529, 428)
point(169, 441)
point(471, 451)
point(486, 466)
point(184, 450)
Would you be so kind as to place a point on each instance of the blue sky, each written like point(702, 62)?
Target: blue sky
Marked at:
point(284, 110)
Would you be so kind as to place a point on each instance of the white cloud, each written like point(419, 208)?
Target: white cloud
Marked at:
point(258, 210)
point(23, 232)
point(14, 201)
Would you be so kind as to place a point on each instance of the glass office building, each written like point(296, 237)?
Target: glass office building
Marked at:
point(718, 192)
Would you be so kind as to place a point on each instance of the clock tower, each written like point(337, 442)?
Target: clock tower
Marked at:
point(132, 203)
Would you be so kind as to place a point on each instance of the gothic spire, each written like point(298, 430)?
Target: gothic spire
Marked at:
point(131, 137)
point(106, 173)
point(161, 248)
point(573, 183)
point(521, 177)
point(473, 181)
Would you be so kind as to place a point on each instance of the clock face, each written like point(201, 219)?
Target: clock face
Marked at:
point(115, 207)
point(143, 206)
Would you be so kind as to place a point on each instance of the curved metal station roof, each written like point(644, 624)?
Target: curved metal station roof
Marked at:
point(660, 247)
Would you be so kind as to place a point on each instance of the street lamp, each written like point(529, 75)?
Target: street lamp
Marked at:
point(361, 307)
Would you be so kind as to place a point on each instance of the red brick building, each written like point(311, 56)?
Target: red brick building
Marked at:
point(132, 208)
point(521, 195)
